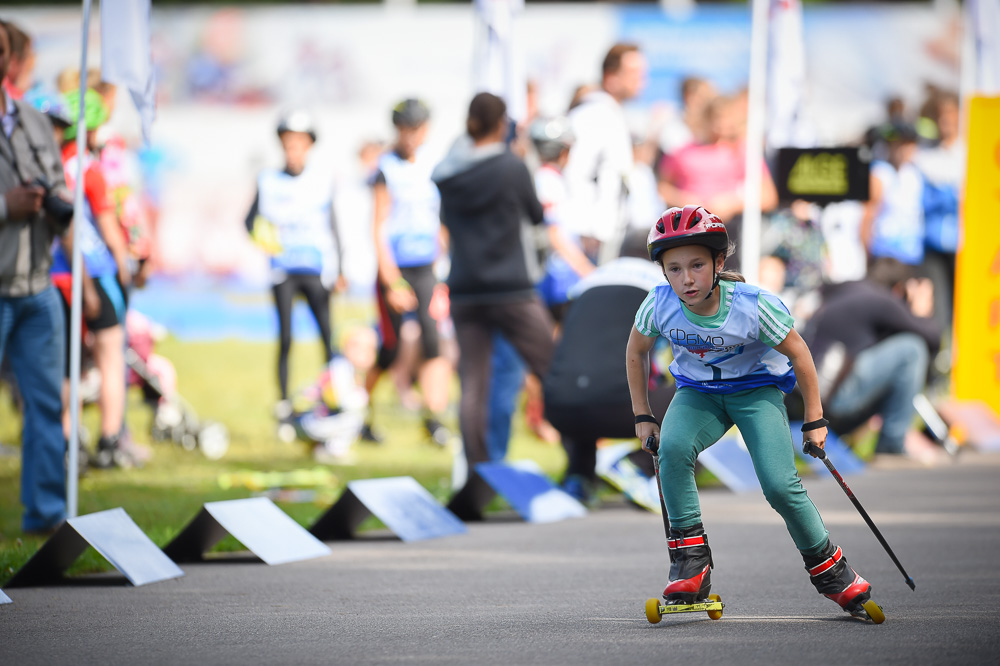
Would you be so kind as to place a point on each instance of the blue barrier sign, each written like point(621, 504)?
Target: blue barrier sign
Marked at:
point(530, 492)
point(402, 504)
point(840, 453)
point(615, 467)
point(729, 460)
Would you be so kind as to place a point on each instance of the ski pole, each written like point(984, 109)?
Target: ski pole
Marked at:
point(811, 449)
point(653, 447)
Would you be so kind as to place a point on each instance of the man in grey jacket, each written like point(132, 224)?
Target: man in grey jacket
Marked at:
point(32, 333)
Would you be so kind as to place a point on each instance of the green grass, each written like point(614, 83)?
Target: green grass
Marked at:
point(233, 382)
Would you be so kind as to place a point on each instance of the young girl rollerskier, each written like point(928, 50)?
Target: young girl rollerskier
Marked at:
point(735, 351)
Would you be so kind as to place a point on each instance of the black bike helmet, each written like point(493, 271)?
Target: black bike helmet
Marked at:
point(410, 113)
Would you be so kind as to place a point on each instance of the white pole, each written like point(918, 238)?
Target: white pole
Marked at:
point(77, 290)
point(750, 241)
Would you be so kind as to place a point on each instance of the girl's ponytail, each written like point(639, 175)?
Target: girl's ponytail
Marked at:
point(732, 276)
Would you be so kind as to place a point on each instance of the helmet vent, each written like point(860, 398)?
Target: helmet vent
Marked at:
point(676, 221)
point(659, 227)
point(695, 219)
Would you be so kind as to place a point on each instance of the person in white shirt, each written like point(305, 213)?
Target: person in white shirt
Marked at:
point(601, 161)
point(943, 169)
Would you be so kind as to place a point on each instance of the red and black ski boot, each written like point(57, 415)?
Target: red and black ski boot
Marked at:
point(690, 566)
point(835, 579)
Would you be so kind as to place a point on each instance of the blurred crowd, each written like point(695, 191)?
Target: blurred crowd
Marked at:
point(483, 260)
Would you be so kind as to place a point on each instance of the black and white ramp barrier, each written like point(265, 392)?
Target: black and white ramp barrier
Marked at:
point(257, 523)
point(111, 533)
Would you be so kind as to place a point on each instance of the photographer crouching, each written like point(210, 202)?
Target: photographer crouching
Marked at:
point(32, 326)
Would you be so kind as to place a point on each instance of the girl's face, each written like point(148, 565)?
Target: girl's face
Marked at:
point(689, 271)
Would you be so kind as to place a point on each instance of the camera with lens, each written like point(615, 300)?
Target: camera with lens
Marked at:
point(58, 208)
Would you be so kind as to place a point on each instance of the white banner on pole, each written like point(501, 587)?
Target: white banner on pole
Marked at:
point(750, 242)
point(786, 74)
point(985, 21)
point(125, 54)
point(500, 65)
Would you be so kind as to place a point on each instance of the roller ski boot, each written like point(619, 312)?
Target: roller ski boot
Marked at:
point(690, 577)
point(834, 578)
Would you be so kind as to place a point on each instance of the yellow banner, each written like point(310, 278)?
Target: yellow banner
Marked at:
point(976, 373)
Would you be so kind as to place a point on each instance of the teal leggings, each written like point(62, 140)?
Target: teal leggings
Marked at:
point(696, 420)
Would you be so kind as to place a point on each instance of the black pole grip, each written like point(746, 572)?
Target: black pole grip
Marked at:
point(809, 448)
point(652, 444)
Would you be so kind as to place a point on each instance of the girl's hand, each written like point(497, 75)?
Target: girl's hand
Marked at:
point(646, 430)
point(816, 438)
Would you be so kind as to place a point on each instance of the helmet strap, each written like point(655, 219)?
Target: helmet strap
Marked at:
point(717, 276)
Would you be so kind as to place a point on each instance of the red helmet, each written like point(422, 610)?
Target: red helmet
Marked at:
point(691, 225)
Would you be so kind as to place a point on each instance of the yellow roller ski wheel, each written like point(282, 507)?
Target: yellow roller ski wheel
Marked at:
point(874, 611)
point(653, 610)
point(715, 614)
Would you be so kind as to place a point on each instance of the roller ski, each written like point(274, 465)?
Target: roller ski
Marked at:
point(656, 609)
point(829, 570)
point(690, 566)
point(690, 577)
point(834, 578)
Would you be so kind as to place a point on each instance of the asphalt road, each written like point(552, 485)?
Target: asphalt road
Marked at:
point(564, 593)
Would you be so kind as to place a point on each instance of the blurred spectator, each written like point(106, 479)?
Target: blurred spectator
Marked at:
point(292, 219)
point(644, 200)
point(354, 202)
point(486, 192)
point(794, 253)
point(21, 64)
point(872, 340)
point(875, 139)
point(893, 223)
point(553, 140)
point(579, 93)
point(120, 167)
point(68, 80)
point(840, 224)
point(586, 390)
point(691, 125)
point(942, 167)
point(599, 166)
point(54, 107)
point(105, 255)
point(714, 171)
point(31, 319)
point(408, 242)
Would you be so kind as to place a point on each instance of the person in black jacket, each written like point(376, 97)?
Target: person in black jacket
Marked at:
point(873, 349)
point(486, 194)
point(586, 390)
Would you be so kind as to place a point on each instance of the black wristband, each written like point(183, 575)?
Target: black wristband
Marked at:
point(815, 425)
point(645, 418)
